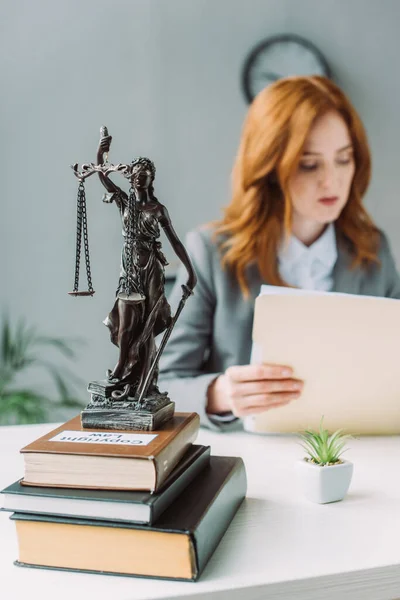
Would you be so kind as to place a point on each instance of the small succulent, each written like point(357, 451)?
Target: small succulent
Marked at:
point(322, 448)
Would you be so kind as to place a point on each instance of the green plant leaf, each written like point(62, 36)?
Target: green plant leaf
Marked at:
point(310, 453)
point(322, 447)
point(20, 348)
point(5, 341)
point(22, 406)
point(312, 440)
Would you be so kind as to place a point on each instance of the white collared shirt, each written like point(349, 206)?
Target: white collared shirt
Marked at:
point(309, 268)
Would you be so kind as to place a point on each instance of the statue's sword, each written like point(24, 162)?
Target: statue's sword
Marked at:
point(186, 294)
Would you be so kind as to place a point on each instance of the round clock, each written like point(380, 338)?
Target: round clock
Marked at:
point(281, 56)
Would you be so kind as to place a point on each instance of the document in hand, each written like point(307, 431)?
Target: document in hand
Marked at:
point(344, 347)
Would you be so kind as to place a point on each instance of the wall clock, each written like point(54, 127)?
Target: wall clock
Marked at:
point(280, 56)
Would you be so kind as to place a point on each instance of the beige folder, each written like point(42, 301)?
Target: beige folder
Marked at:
point(345, 348)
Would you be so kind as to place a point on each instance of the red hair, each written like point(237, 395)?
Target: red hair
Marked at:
point(272, 141)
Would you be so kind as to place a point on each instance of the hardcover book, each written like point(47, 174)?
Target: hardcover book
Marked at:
point(177, 546)
point(116, 505)
point(71, 456)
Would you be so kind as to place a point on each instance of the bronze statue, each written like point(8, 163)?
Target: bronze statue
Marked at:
point(129, 397)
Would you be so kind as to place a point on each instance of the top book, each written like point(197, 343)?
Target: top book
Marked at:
point(71, 456)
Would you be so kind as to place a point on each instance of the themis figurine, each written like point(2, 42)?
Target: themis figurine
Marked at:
point(129, 397)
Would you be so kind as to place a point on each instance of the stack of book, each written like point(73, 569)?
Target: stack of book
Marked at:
point(150, 504)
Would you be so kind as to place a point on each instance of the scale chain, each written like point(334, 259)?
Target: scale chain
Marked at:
point(78, 237)
point(86, 241)
point(81, 229)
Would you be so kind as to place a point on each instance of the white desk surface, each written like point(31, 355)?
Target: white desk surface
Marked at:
point(279, 545)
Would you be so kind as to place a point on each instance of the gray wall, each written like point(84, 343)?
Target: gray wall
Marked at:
point(163, 75)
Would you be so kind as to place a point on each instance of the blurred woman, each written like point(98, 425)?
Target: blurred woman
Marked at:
point(296, 218)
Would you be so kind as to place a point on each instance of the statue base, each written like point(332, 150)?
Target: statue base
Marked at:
point(105, 412)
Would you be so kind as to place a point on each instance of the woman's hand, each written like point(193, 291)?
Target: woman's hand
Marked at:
point(250, 389)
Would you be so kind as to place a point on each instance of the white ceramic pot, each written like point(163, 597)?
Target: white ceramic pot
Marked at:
point(324, 484)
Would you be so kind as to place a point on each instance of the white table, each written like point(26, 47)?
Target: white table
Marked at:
point(279, 545)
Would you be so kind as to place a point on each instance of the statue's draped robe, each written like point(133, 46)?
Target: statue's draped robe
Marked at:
point(152, 316)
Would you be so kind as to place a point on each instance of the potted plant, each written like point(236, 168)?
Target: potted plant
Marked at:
point(324, 476)
point(22, 349)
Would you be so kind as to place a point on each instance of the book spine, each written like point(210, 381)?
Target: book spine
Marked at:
point(169, 457)
point(164, 500)
point(219, 515)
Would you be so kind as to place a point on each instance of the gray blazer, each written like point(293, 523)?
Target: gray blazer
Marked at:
point(214, 330)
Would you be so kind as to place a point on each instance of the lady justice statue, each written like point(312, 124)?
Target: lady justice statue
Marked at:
point(129, 397)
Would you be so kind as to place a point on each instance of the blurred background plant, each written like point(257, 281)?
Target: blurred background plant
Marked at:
point(23, 349)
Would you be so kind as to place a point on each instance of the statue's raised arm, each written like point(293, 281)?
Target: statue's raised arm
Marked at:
point(114, 192)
